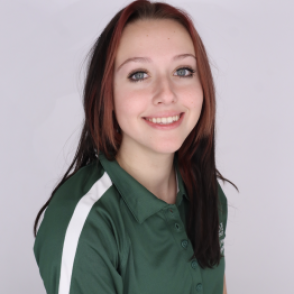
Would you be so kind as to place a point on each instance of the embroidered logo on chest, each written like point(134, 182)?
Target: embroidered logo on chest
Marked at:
point(221, 230)
point(221, 233)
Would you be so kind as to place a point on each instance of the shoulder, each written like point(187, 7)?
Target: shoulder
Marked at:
point(83, 212)
point(68, 198)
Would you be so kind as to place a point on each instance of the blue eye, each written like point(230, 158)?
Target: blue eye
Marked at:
point(139, 76)
point(182, 70)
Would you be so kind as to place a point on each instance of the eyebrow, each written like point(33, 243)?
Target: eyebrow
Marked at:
point(147, 59)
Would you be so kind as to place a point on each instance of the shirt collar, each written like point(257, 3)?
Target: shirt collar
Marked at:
point(140, 201)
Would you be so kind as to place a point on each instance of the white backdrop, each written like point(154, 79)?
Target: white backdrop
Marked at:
point(250, 45)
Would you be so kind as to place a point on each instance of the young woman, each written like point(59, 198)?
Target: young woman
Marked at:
point(142, 212)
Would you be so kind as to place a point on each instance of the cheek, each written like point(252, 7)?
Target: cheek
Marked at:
point(129, 105)
point(194, 98)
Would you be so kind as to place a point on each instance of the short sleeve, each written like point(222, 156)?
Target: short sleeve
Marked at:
point(78, 261)
point(223, 216)
point(96, 264)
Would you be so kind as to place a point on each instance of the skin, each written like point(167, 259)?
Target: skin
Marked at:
point(225, 286)
point(146, 153)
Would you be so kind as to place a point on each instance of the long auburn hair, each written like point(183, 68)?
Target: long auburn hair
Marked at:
point(196, 156)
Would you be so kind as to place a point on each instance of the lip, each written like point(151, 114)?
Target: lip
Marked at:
point(171, 126)
point(164, 114)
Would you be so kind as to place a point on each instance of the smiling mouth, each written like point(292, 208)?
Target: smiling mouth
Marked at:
point(165, 120)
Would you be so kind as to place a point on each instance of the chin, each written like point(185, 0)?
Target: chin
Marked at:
point(172, 148)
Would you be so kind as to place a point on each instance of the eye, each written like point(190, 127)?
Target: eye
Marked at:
point(140, 74)
point(183, 70)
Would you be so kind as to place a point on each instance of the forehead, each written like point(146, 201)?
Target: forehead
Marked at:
point(154, 38)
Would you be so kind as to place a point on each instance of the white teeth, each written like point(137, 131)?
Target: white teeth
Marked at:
point(164, 120)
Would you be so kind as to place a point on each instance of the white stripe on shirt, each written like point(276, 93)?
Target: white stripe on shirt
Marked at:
point(74, 230)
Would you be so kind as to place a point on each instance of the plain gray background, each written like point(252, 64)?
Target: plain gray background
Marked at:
point(250, 46)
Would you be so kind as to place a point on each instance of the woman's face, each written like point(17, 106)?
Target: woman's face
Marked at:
point(156, 85)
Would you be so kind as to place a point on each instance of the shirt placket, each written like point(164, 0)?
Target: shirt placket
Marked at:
point(177, 228)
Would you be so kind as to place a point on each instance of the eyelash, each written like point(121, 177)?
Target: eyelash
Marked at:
point(138, 80)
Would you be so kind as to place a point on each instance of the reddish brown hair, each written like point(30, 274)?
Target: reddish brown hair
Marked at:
point(196, 156)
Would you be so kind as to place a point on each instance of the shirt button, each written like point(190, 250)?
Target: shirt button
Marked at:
point(194, 263)
point(177, 226)
point(199, 287)
point(171, 210)
point(184, 243)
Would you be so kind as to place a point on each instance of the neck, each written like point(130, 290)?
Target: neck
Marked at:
point(154, 171)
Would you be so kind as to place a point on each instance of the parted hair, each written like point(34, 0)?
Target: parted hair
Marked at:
point(196, 156)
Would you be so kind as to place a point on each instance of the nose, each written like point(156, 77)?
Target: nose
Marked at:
point(164, 91)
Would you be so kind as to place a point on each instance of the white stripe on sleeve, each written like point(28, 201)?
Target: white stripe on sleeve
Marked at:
point(74, 230)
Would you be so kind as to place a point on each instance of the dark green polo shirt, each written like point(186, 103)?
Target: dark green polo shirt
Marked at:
point(105, 233)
